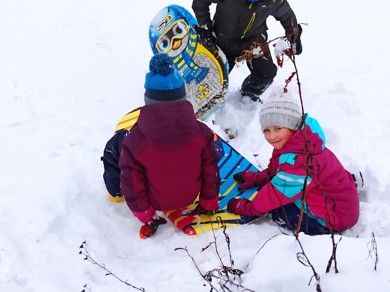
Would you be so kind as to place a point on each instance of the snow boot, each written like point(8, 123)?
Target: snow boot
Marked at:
point(358, 179)
point(252, 89)
point(150, 228)
point(116, 198)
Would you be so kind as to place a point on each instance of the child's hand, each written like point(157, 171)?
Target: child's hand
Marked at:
point(247, 178)
point(151, 226)
point(239, 176)
point(200, 210)
point(238, 206)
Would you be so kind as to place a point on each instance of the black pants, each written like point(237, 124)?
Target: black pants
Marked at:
point(263, 71)
point(288, 216)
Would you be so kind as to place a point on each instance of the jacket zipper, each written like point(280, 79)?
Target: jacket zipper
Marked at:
point(250, 23)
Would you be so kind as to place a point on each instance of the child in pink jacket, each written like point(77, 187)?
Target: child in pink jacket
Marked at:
point(302, 174)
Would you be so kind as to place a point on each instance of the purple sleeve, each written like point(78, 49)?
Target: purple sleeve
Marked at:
point(210, 175)
point(133, 185)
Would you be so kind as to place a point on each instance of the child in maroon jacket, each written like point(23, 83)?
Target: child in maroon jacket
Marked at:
point(168, 157)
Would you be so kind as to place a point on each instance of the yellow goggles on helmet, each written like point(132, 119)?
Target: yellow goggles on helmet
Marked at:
point(178, 30)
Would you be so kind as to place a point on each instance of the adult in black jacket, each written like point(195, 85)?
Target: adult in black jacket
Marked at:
point(237, 24)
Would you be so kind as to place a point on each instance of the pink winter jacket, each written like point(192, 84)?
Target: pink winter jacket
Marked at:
point(167, 159)
point(332, 197)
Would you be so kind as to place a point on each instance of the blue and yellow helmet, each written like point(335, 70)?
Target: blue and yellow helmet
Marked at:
point(171, 23)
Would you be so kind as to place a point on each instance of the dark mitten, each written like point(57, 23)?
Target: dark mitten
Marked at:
point(200, 210)
point(239, 176)
point(298, 42)
point(247, 178)
point(294, 37)
point(232, 204)
point(238, 206)
point(207, 36)
point(292, 34)
point(151, 226)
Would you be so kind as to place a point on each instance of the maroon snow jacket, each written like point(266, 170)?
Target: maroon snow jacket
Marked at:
point(167, 159)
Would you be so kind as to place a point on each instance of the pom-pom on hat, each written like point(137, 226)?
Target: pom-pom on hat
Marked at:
point(163, 83)
point(283, 111)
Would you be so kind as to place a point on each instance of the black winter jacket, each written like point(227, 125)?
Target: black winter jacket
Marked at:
point(238, 23)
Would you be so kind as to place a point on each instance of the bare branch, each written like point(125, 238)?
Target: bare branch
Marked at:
point(86, 288)
point(301, 256)
point(261, 247)
point(304, 260)
point(373, 249)
point(333, 256)
point(226, 276)
point(87, 257)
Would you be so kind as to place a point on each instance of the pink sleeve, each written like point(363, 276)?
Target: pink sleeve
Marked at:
point(262, 177)
point(145, 216)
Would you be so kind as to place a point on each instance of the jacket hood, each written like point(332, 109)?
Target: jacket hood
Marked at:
point(167, 123)
point(311, 132)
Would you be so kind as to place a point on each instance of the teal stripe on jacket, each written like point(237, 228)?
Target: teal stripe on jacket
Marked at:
point(315, 128)
point(289, 184)
point(287, 158)
point(309, 213)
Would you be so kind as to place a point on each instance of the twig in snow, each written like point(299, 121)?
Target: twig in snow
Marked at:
point(373, 249)
point(261, 247)
point(86, 288)
point(225, 276)
point(87, 257)
point(333, 256)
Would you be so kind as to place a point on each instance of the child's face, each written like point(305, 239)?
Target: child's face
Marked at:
point(277, 136)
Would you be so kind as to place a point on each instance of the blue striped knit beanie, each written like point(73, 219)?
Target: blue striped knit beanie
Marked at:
point(163, 83)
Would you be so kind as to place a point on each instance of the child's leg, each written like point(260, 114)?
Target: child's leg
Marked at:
point(288, 217)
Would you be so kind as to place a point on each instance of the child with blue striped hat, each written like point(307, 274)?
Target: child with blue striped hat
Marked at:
point(168, 157)
point(163, 83)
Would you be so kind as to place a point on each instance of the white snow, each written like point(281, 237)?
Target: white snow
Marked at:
point(69, 70)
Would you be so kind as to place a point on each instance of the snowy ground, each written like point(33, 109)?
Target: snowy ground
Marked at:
point(69, 70)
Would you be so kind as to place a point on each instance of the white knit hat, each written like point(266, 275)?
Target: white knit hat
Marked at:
point(283, 111)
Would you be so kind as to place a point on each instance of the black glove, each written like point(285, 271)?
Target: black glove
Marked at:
point(206, 36)
point(232, 205)
point(200, 210)
point(239, 176)
point(239, 206)
point(151, 226)
point(294, 37)
point(298, 42)
point(247, 179)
